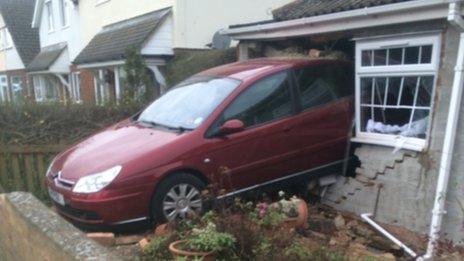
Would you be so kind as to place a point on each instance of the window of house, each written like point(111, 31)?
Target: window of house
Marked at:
point(266, 101)
point(45, 89)
point(395, 81)
point(4, 92)
point(50, 19)
point(64, 12)
point(76, 87)
point(17, 88)
point(102, 95)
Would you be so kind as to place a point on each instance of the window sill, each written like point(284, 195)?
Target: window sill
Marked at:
point(409, 143)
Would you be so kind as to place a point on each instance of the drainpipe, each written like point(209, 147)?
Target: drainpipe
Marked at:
point(455, 19)
point(367, 218)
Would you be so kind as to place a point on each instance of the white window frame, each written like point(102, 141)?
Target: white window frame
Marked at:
point(4, 89)
point(39, 91)
point(64, 13)
point(396, 141)
point(50, 17)
point(101, 90)
point(76, 87)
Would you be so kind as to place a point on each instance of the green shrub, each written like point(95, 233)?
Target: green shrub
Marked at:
point(37, 124)
point(189, 62)
point(158, 248)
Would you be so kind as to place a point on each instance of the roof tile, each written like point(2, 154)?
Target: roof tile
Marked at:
point(112, 42)
point(307, 8)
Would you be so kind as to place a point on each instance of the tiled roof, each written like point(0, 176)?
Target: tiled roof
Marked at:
point(46, 58)
point(112, 42)
point(307, 8)
point(17, 15)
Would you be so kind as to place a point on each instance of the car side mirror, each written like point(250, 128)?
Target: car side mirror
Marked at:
point(232, 126)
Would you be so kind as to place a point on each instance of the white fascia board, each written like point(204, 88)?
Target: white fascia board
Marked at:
point(412, 11)
point(100, 65)
point(37, 13)
point(39, 73)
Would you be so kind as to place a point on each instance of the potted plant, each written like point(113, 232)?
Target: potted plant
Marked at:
point(293, 212)
point(203, 244)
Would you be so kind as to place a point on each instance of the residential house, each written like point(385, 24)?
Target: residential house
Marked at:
point(19, 43)
point(60, 42)
point(409, 57)
point(94, 43)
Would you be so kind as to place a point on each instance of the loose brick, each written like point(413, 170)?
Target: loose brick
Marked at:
point(105, 239)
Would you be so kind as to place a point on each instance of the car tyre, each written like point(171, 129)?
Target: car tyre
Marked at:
point(176, 197)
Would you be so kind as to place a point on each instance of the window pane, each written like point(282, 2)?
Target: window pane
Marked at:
point(426, 56)
point(380, 57)
point(267, 100)
point(395, 56)
point(411, 55)
point(409, 91)
point(379, 90)
point(367, 58)
point(424, 96)
point(366, 90)
point(64, 12)
point(386, 121)
point(419, 125)
point(394, 85)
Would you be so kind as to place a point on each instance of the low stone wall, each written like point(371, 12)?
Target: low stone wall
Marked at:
point(31, 231)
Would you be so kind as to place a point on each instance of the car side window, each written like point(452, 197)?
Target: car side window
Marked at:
point(322, 84)
point(267, 100)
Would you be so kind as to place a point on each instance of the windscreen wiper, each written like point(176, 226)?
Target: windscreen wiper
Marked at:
point(181, 129)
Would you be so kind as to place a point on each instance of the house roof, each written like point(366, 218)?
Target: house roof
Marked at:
point(17, 15)
point(112, 42)
point(46, 58)
point(307, 8)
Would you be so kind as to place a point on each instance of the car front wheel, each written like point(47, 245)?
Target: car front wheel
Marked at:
point(177, 197)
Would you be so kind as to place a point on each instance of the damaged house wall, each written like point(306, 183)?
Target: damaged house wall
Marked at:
point(399, 187)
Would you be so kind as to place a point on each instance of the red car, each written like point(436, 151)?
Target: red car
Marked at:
point(241, 125)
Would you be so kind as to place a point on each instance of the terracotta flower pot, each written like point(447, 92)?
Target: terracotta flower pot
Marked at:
point(303, 212)
point(188, 255)
point(301, 221)
point(162, 230)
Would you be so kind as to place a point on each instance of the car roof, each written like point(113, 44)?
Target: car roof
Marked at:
point(255, 67)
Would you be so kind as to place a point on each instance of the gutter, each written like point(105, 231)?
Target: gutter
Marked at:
point(338, 17)
point(439, 208)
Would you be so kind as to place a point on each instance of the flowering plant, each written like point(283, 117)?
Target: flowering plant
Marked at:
point(274, 214)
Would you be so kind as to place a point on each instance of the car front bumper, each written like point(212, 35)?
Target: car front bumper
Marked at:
point(105, 207)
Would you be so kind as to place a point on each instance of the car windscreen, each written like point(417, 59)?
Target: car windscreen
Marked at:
point(188, 104)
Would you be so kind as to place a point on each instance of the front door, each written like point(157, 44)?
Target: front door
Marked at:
point(266, 149)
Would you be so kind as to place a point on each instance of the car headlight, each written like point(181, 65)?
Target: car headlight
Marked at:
point(96, 182)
